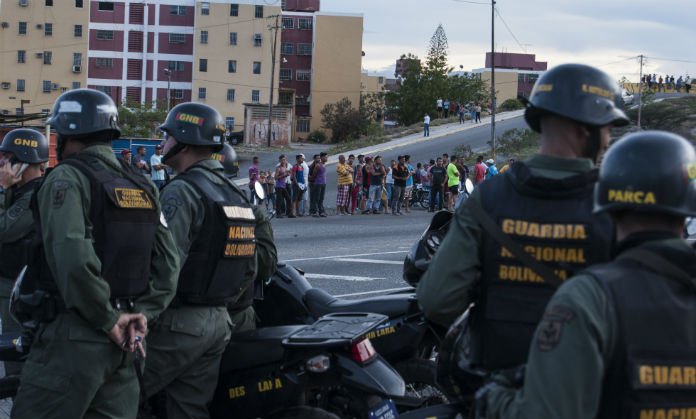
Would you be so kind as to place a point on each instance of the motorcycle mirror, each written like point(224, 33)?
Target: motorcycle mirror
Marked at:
point(469, 186)
point(260, 193)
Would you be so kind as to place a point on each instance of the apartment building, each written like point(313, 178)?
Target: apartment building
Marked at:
point(321, 55)
point(43, 52)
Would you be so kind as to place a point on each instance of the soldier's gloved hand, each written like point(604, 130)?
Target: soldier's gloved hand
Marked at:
point(8, 175)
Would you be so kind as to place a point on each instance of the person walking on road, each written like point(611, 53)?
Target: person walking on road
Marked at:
point(226, 244)
point(345, 181)
point(426, 126)
point(105, 263)
point(478, 112)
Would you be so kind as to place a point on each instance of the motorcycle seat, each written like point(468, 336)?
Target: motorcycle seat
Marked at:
point(321, 303)
point(256, 347)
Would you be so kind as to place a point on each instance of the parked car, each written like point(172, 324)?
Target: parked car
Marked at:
point(627, 97)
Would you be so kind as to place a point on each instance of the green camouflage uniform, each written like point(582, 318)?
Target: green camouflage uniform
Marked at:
point(16, 222)
point(451, 281)
point(186, 345)
point(74, 370)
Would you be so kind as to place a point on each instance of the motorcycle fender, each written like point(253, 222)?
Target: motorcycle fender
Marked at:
point(376, 377)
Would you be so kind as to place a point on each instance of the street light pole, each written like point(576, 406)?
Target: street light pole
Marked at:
point(273, 59)
point(168, 73)
point(640, 90)
point(493, 74)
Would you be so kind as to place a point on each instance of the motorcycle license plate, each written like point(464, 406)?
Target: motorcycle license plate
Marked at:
point(384, 410)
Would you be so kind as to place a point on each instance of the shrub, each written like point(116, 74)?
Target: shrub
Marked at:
point(317, 136)
point(510, 105)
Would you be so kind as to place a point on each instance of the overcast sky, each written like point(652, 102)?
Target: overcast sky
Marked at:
point(604, 33)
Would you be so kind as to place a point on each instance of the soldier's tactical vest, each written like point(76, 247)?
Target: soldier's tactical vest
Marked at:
point(221, 262)
point(124, 219)
point(552, 220)
point(14, 255)
point(652, 372)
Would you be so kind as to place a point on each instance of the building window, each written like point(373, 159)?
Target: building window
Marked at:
point(177, 10)
point(106, 6)
point(77, 58)
point(177, 38)
point(288, 23)
point(258, 40)
point(103, 35)
point(205, 8)
point(232, 66)
point(285, 97)
point(48, 29)
point(21, 84)
point(202, 92)
point(230, 95)
point(304, 23)
point(300, 101)
point(304, 49)
point(233, 38)
point(234, 9)
point(47, 57)
point(105, 89)
point(175, 65)
point(302, 125)
point(285, 74)
point(104, 63)
point(287, 48)
point(255, 96)
point(77, 31)
point(177, 94)
point(303, 75)
point(380, 80)
point(257, 67)
point(78, 4)
point(204, 37)
point(76, 85)
point(203, 65)
point(22, 28)
point(258, 12)
point(229, 123)
point(46, 86)
point(49, 2)
point(21, 56)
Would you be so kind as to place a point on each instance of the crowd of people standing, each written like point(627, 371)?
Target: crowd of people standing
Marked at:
point(658, 83)
point(365, 184)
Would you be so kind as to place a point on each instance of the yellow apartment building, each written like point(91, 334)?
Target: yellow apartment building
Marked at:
point(43, 52)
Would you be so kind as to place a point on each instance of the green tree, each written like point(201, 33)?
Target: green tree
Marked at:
point(140, 120)
point(344, 121)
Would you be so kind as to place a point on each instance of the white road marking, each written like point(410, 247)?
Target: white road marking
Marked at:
point(341, 277)
point(345, 256)
point(381, 262)
point(374, 292)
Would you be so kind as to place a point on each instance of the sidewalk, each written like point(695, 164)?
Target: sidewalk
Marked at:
point(435, 133)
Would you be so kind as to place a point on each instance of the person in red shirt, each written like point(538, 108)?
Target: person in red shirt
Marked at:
point(479, 171)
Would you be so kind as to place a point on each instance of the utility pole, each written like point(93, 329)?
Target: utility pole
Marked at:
point(640, 89)
point(21, 106)
point(274, 38)
point(168, 73)
point(493, 74)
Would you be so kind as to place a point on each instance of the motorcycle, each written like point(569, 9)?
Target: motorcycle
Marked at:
point(407, 341)
point(325, 370)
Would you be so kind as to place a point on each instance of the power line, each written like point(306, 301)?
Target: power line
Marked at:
point(471, 2)
point(619, 61)
point(497, 11)
point(673, 59)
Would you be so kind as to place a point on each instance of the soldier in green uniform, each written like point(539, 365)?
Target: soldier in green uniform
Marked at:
point(225, 244)
point(543, 206)
point(618, 340)
point(23, 157)
point(107, 263)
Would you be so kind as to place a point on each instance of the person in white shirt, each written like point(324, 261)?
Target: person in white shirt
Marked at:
point(426, 126)
point(304, 204)
point(439, 107)
point(158, 169)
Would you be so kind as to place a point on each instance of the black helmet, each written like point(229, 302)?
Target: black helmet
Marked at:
point(418, 258)
point(84, 111)
point(27, 145)
point(228, 158)
point(579, 92)
point(195, 124)
point(649, 171)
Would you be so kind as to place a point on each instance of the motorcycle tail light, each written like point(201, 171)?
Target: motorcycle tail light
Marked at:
point(363, 351)
point(319, 363)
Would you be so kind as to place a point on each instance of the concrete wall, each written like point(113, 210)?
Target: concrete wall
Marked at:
point(336, 64)
point(218, 51)
point(62, 44)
